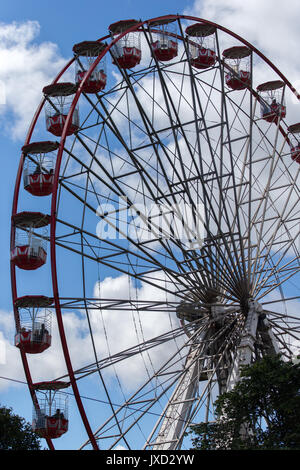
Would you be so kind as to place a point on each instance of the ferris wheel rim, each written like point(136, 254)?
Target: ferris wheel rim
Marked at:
point(56, 181)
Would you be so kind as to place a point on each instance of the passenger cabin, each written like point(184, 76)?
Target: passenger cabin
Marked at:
point(237, 67)
point(201, 45)
point(271, 98)
point(38, 170)
point(164, 39)
point(33, 335)
point(126, 52)
point(59, 99)
point(294, 141)
point(86, 53)
point(50, 414)
point(29, 247)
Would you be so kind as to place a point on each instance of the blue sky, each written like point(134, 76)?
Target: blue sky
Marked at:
point(68, 22)
point(53, 27)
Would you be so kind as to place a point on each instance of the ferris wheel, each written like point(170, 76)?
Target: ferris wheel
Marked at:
point(159, 185)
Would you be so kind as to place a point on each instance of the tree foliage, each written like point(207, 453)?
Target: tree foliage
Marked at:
point(261, 412)
point(15, 432)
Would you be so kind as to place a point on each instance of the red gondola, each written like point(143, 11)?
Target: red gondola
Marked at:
point(127, 50)
point(33, 334)
point(39, 184)
point(58, 106)
point(202, 45)
point(165, 51)
point(237, 67)
point(50, 419)
point(38, 170)
point(51, 427)
point(29, 250)
point(272, 101)
point(86, 53)
point(164, 39)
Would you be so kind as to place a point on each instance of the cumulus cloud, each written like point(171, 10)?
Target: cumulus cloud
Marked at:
point(26, 67)
point(118, 330)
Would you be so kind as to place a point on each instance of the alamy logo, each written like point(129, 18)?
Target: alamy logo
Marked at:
point(182, 223)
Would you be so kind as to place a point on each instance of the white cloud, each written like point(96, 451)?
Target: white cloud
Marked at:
point(26, 67)
point(116, 330)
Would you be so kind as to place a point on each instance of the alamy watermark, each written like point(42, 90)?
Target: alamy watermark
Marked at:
point(182, 223)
